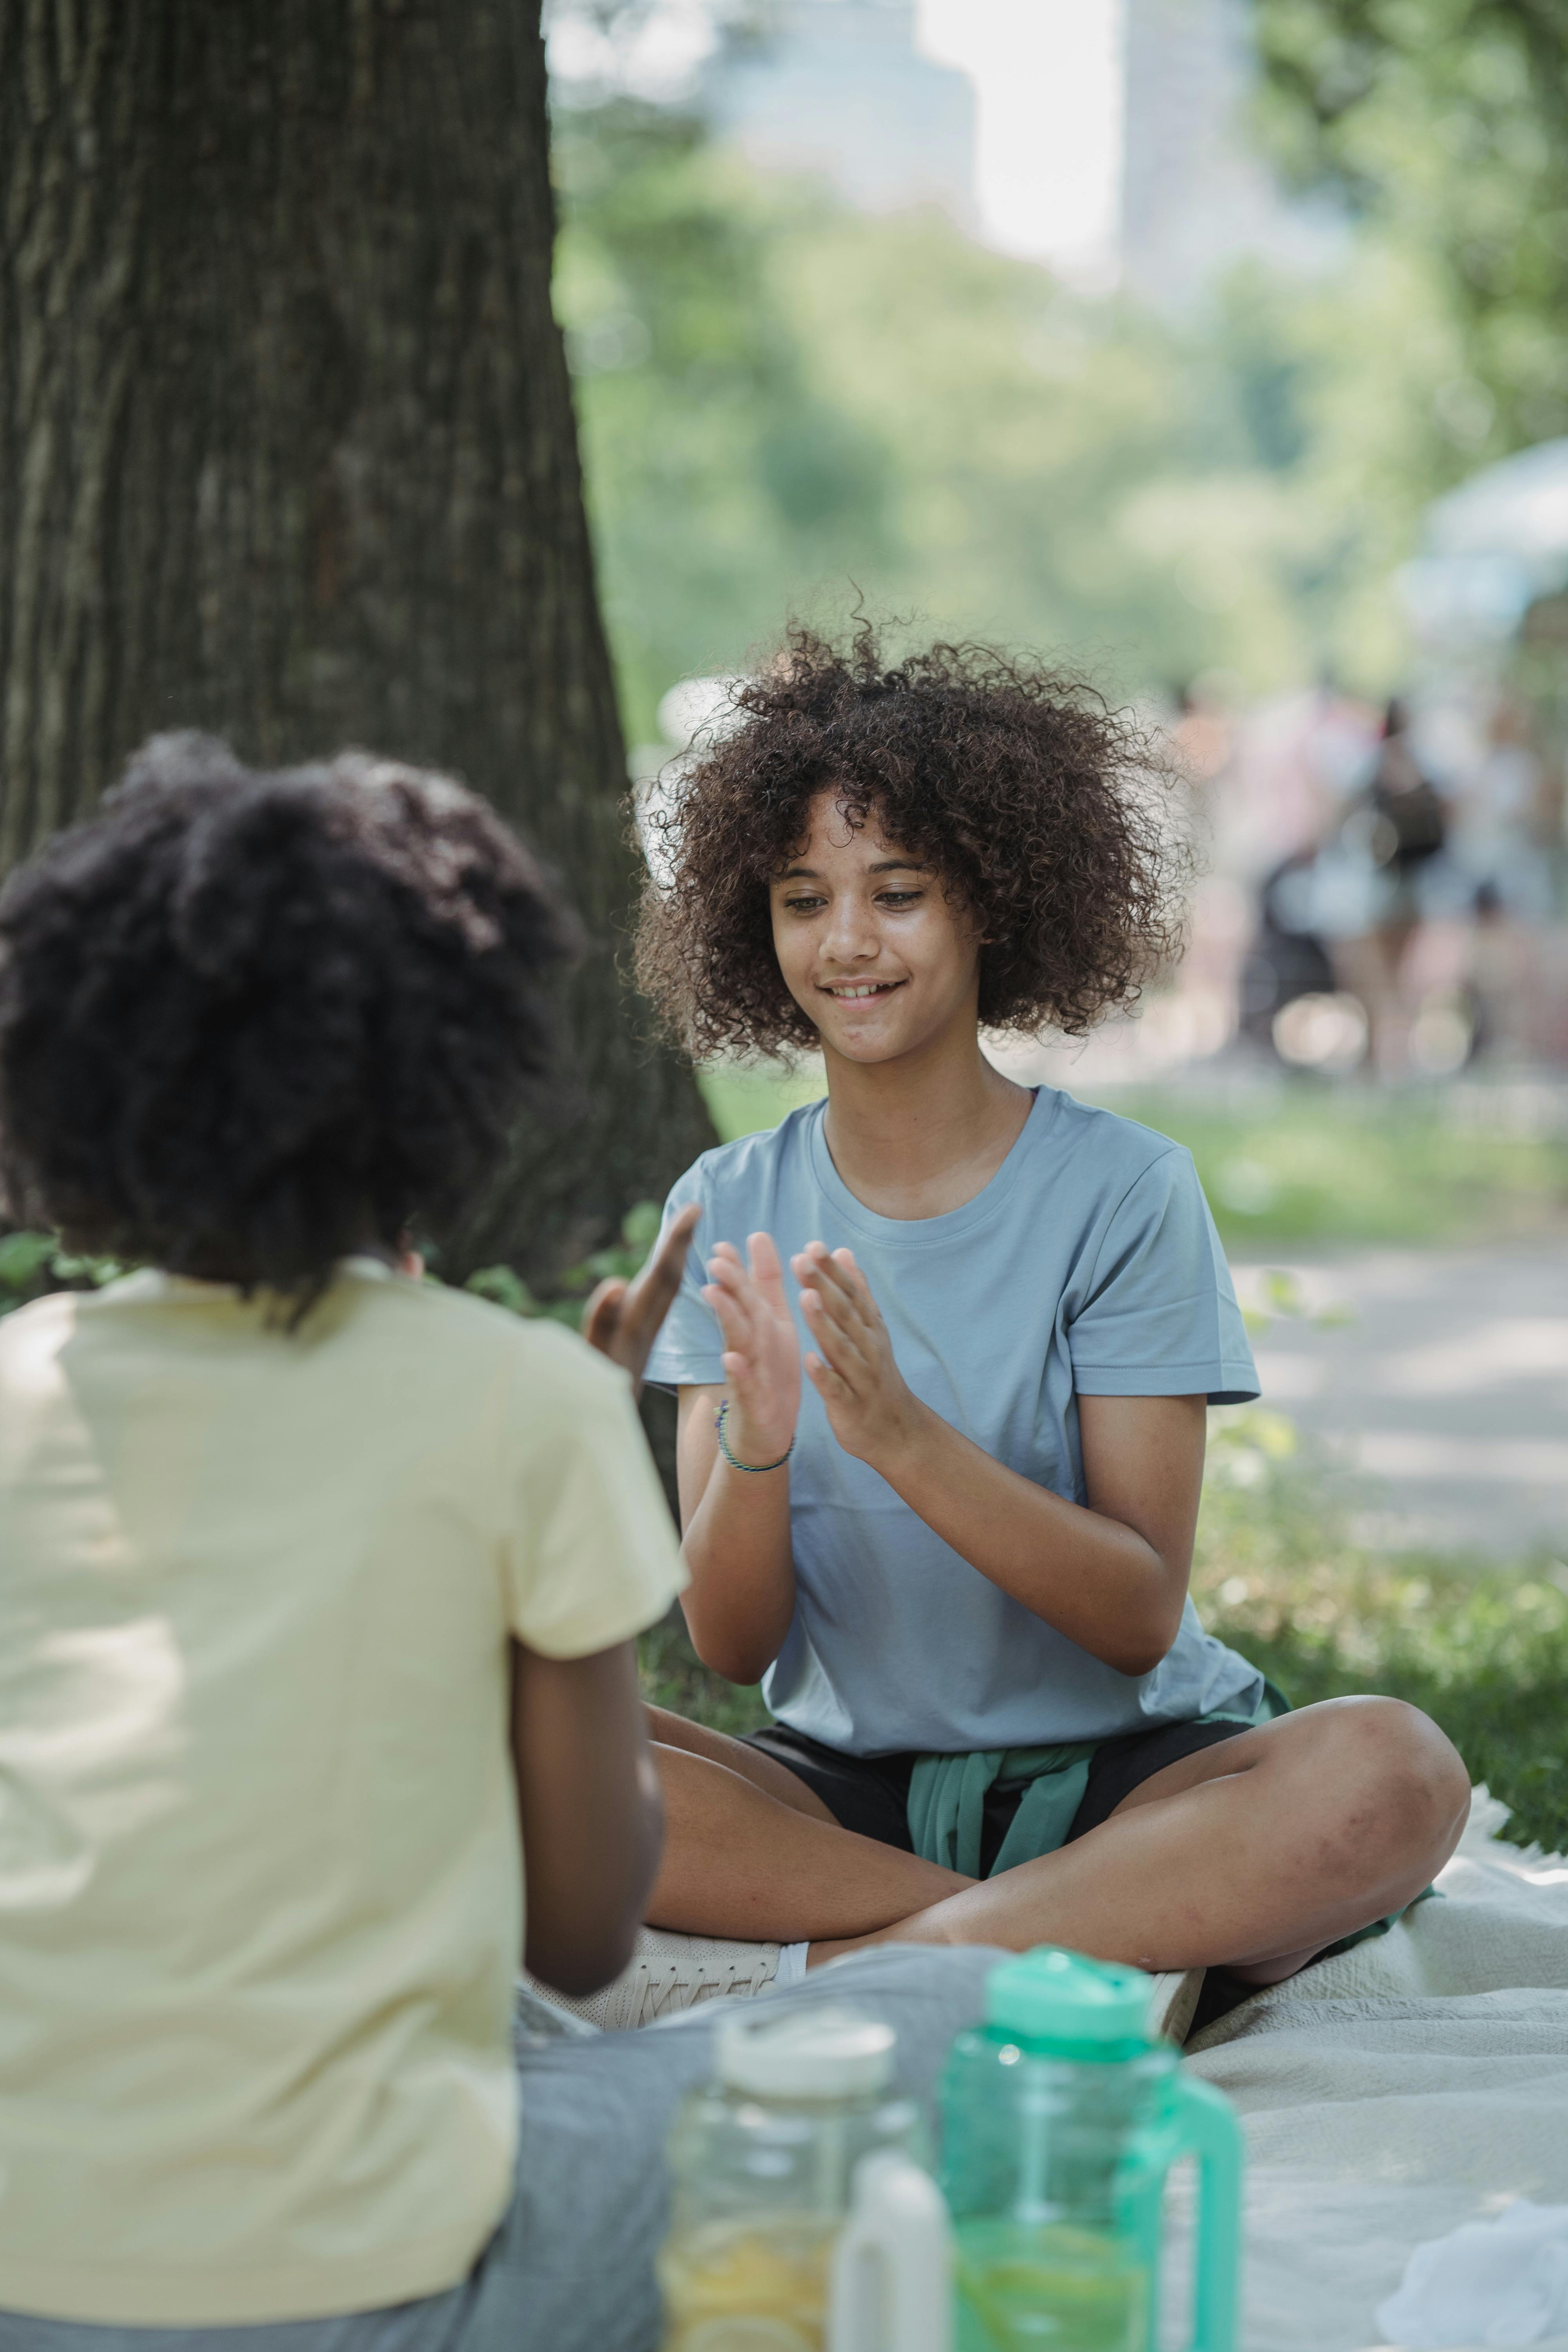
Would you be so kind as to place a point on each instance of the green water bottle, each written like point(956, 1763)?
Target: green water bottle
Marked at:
point(1061, 2118)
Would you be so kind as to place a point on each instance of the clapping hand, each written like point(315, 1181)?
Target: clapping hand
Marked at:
point(874, 1414)
point(622, 1318)
point(761, 1351)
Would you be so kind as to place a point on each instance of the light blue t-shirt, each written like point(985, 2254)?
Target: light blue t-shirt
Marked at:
point(1089, 1265)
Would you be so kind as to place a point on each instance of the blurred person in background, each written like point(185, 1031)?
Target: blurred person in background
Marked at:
point(1396, 828)
point(1288, 958)
point(1499, 847)
point(1204, 988)
point(1298, 758)
point(1203, 733)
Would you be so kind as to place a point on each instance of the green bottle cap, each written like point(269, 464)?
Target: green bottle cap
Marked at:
point(1070, 2007)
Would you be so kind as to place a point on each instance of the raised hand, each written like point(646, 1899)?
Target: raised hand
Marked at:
point(874, 1414)
point(622, 1318)
point(761, 1353)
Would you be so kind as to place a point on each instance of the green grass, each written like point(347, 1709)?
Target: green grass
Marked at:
point(1315, 1164)
point(1483, 1650)
point(673, 1675)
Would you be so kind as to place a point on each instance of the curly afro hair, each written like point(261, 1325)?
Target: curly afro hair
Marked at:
point(250, 1022)
point(1039, 807)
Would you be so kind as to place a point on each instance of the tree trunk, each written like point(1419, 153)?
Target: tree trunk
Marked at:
point(287, 452)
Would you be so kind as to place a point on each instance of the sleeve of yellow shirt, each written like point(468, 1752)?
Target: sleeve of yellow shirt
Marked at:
point(588, 1553)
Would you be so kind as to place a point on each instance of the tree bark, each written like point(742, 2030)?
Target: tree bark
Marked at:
point(287, 452)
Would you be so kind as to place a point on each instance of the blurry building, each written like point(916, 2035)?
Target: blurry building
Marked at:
point(1196, 194)
point(838, 87)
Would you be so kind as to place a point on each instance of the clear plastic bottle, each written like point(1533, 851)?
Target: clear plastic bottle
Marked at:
point(762, 2160)
point(1061, 2119)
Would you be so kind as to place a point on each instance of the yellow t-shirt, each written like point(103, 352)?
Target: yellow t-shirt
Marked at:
point(260, 1879)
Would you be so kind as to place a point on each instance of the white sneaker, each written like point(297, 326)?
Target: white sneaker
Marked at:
point(1172, 2003)
point(668, 1973)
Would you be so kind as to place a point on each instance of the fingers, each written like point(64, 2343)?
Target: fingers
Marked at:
point(831, 1386)
point(846, 1267)
point(660, 1278)
point(727, 1280)
point(767, 1271)
point(744, 1319)
point(814, 1263)
point(736, 1325)
point(834, 1275)
point(741, 1284)
point(838, 1340)
point(747, 1297)
point(653, 1293)
point(601, 1315)
point(837, 1291)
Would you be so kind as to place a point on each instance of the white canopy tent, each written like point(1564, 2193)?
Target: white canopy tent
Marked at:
point(1491, 548)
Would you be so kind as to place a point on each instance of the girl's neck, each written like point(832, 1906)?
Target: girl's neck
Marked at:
point(923, 1134)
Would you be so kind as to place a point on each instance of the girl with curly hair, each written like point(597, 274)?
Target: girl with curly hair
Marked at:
point(319, 1707)
point(939, 1480)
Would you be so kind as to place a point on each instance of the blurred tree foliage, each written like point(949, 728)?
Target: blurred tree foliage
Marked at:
point(1446, 122)
point(783, 404)
point(718, 468)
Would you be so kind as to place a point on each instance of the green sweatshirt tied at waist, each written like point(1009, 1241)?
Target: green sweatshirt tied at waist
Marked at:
point(947, 1795)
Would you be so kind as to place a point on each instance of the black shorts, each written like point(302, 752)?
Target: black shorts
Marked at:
point(871, 1793)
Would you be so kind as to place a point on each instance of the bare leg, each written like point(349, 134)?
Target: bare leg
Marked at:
point(763, 1771)
point(750, 1851)
point(1255, 1853)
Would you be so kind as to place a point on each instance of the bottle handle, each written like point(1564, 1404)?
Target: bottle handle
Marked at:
point(890, 2282)
point(1207, 2129)
point(1197, 2121)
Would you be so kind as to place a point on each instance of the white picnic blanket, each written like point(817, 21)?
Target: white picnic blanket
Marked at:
point(1416, 2083)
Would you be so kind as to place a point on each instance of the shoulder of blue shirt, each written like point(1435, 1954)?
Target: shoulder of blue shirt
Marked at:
point(1130, 1148)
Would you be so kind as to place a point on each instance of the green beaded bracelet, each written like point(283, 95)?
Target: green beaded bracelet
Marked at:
point(753, 1469)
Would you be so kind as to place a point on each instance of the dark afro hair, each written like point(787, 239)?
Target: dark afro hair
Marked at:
point(250, 1022)
point(1041, 809)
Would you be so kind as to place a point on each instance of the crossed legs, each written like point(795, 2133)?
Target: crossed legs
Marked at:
point(1254, 1854)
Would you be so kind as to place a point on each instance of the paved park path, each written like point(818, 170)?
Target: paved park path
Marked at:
point(1450, 1388)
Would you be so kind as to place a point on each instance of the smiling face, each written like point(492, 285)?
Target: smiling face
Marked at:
point(871, 947)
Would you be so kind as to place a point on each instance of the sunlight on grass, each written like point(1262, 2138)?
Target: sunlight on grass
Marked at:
point(1482, 1649)
point(1315, 1165)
